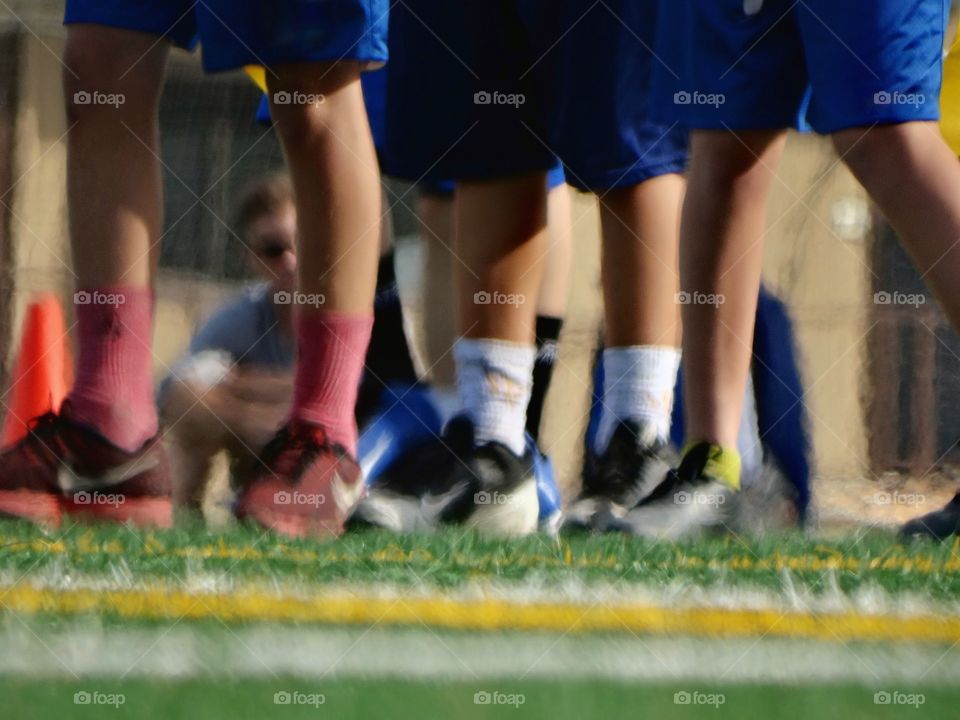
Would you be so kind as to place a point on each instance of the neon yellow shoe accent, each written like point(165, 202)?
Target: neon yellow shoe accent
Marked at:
point(258, 75)
point(723, 463)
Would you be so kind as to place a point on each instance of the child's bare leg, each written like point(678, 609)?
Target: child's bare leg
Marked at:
point(113, 166)
point(334, 168)
point(331, 158)
point(641, 228)
point(721, 253)
point(552, 300)
point(640, 272)
point(913, 176)
point(501, 238)
point(112, 82)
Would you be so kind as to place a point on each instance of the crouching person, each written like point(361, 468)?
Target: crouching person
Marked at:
point(233, 389)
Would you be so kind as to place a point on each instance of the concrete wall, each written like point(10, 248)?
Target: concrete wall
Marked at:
point(817, 261)
point(39, 226)
point(568, 403)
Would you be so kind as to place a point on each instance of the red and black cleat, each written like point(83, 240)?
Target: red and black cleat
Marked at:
point(65, 467)
point(303, 485)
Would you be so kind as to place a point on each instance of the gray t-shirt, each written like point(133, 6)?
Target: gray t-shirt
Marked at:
point(245, 331)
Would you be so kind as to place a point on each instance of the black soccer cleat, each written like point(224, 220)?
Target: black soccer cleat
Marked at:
point(393, 501)
point(939, 524)
point(485, 487)
point(692, 500)
point(628, 471)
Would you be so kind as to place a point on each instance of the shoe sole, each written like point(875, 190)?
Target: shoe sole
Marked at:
point(141, 511)
point(515, 516)
point(578, 518)
point(296, 526)
point(70, 481)
point(669, 521)
point(388, 511)
point(326, 523)
point(605, 515)
point(38, 507)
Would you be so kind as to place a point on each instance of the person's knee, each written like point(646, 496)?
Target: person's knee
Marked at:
point(870, 153)
point(301, 124)
point(111, 71)
point(735, 164)
point(311, 101)
point(858, 146)
point(863, 147)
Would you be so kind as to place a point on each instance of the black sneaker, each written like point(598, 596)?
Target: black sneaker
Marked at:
point(691, 501)
point(393, 501)
point(484, 487)
point(939, 524)
point(628, 471)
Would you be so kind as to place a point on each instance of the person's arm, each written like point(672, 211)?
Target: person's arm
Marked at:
point(239, 413)
point(209, 403)
point(248, 405)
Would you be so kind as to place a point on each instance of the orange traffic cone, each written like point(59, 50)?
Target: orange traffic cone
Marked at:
point(43, 371)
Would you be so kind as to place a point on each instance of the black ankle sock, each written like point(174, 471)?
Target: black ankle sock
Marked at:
point(548, 332)
point(388, 357)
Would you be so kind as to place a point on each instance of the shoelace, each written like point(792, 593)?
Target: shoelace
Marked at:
point(689, 470)
point(301, 445)
point(619, 473)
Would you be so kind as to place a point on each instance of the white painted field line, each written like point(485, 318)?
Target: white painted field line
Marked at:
point(314, 653)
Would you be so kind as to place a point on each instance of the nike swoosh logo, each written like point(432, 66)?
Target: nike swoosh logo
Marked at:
point(70, 481)
point(433, 505)
point(346, 495)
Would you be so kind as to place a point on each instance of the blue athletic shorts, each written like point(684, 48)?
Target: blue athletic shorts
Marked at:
point(234, 33)
point(479, 89)
point(602, 125)
point(442, 188)
point(825, 64)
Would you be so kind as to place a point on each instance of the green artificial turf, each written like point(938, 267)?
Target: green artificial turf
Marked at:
point(411, 700)
point(451, 558)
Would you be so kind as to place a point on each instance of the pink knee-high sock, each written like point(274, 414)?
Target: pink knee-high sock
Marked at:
point(113, 387)
point(331, 348)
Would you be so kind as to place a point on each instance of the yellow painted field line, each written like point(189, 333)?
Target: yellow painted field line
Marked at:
point(489, 614)
point(85, 547)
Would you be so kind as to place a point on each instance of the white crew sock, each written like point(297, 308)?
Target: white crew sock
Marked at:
point(638, 385)
point(494, 378)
